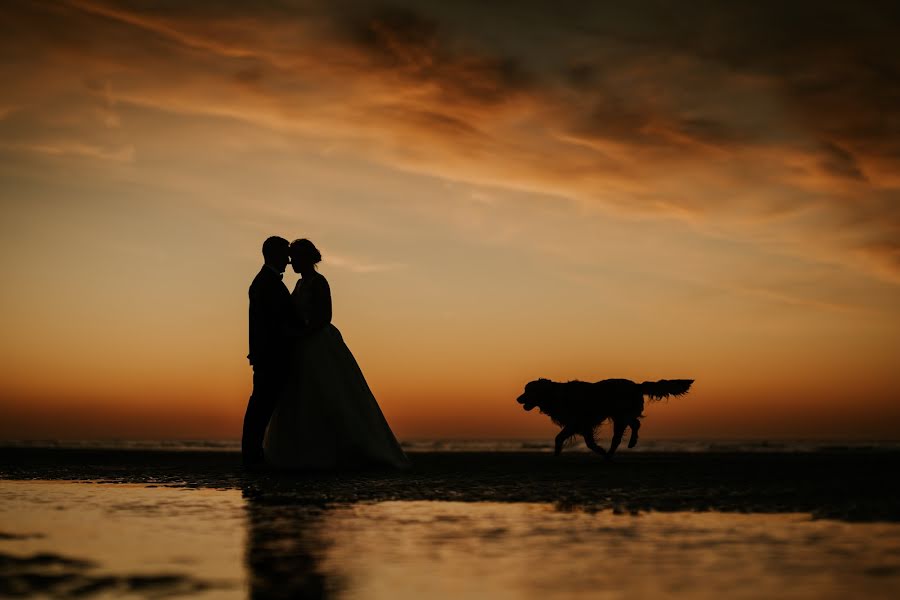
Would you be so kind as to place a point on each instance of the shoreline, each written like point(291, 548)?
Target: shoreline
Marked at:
point(845, 484)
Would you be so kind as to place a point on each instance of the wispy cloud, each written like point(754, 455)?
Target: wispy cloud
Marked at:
point(360, 266)
point(738, 119)
point(123, 154)
point(801, 302)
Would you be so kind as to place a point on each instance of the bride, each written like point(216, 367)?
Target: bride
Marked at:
point(327, 417)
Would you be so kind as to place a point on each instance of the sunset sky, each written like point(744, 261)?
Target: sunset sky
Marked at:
point(500, 191)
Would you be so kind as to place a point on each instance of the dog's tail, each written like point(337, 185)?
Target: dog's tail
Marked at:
point(657, 390)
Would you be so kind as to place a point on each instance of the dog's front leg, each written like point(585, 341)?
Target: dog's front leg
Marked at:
point(561, 438)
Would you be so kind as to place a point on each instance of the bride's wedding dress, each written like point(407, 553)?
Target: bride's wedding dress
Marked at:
point(327, 416)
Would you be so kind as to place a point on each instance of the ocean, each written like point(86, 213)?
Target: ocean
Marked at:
point(493, 445)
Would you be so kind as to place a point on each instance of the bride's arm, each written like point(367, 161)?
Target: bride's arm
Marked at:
point(320, 315)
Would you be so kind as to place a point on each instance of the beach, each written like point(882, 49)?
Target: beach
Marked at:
point(457, 524)
point(848, 484)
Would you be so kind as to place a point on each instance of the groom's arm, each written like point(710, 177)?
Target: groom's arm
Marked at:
point(291, 327)
point(258, 326)
point(274, 325)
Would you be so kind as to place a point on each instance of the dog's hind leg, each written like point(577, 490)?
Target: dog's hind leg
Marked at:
point(632, 441)
point(618, 432)
point(561, 438)
point(592, 443)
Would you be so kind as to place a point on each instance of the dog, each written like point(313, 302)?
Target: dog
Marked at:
point(580, 407)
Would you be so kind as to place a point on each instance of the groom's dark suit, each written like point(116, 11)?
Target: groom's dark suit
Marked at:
point(273, 332)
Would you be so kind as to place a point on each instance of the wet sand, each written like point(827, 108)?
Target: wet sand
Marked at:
point(851, 485)
point(148, 523)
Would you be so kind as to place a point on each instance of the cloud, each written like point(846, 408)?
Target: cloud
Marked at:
point(839, 162)
point(408, 46)
point(770, 122)
point(359, 266)
point(75, 148)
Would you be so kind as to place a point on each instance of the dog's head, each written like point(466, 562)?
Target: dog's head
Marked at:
point(536, 393)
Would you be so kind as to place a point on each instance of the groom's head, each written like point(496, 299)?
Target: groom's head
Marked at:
point(276, 253)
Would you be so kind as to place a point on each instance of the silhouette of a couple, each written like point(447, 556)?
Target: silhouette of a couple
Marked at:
point(310, 406)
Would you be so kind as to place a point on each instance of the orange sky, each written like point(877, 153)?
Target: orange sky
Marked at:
point(499, 195)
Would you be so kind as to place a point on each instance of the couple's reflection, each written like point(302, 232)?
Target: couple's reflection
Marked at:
point(284, 548)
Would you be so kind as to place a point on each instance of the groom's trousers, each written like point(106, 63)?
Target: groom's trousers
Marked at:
point(267, 385)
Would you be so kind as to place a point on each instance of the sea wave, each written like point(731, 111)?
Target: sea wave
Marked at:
point(490, 445)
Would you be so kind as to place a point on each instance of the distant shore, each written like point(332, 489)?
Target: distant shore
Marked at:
point(852, 485)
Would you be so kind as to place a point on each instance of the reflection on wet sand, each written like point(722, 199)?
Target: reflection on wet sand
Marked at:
point(455, 550)
point(65, 539)
point(86, 540)
point(284, 548)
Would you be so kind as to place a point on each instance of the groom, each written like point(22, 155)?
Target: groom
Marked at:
point(272, 335)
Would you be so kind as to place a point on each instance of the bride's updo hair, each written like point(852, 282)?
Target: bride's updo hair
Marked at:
point(306, 251)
